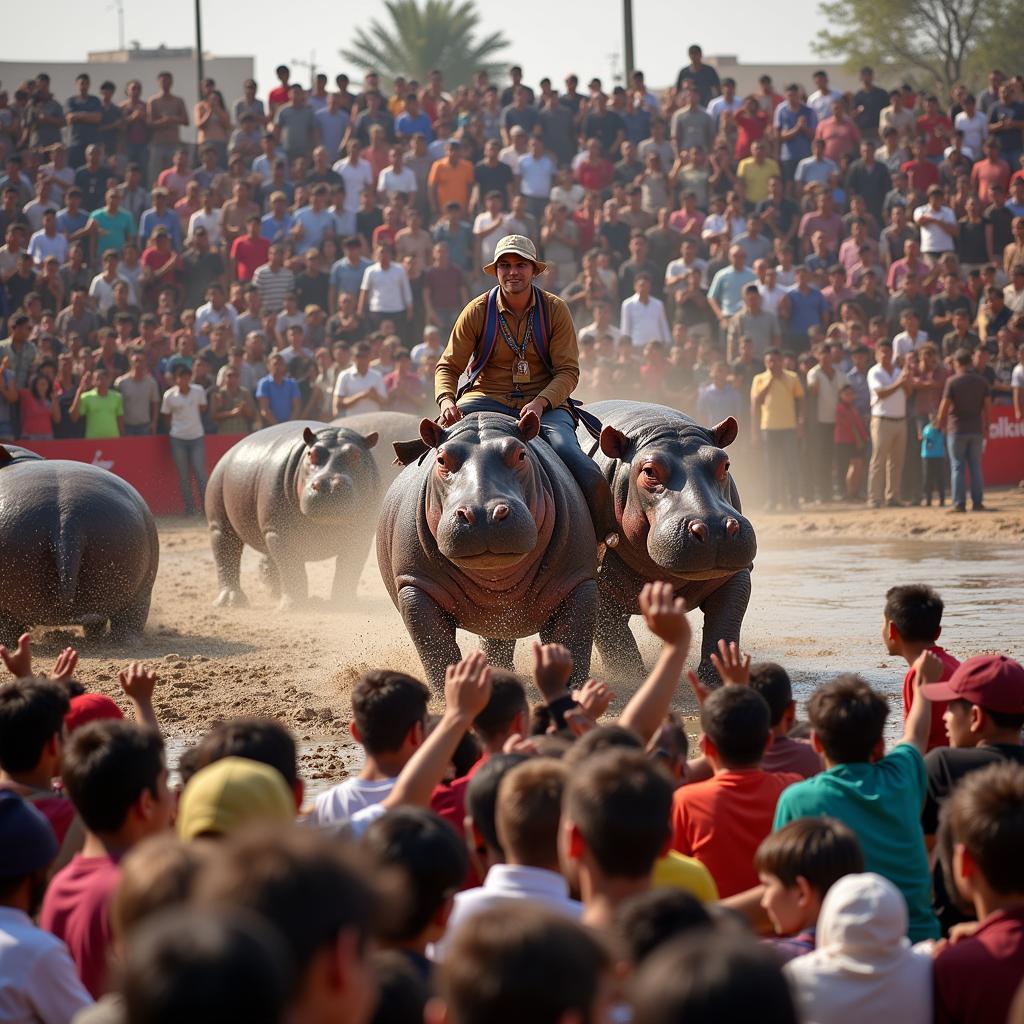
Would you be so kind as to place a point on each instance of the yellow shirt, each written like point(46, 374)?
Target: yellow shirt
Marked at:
point(778, 411)
point(496, 379)
point(676, 871)
point(755, 177)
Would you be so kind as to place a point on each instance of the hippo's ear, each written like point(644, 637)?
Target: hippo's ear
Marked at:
point(431, 433)
point(529, 426)
point(371, 439)
point(725, 432)
point(6, 458)
point(614, 443)
point(309, 437)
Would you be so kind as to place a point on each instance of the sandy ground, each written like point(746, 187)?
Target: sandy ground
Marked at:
point(218, 663)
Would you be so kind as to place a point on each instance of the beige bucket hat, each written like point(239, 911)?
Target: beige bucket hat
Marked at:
point(521, 246)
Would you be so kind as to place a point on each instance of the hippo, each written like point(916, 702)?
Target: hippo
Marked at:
point(490, 533)
point(389, 428)
point(298, 492)
point(78, 546)
point(680, 520)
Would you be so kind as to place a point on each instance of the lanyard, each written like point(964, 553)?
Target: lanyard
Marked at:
point(519, 350)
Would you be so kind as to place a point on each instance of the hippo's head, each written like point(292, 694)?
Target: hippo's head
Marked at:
point(12, 453)
point(675, 499)
point(487, 504)
point(336, 473)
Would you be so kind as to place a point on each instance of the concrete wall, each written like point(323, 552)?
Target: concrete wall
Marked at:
point(746, 75)
point(228, 72)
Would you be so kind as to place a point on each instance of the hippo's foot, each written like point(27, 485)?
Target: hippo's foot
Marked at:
point(231, 597)
point(291, 603)
point(269, 576)
point(94, 627)
point(127, 625)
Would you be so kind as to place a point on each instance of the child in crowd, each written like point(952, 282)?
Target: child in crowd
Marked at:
point(852, 443)
point(784, 754)
point(933, 459)
point(797, 865)
point(911, 623)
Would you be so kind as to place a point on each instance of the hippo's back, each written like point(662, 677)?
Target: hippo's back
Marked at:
point(391, 427)
point(75, 541)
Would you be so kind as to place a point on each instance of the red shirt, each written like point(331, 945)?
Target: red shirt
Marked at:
point(935, 131)
point(750, 130)
point(596, 176)
point(937, 734)
point(722, 821)
point(279, 95)
point(921, 174)
point(249, 254)
point(975, 979)
point(986, 173)
point(585, 227)
point(76, 909)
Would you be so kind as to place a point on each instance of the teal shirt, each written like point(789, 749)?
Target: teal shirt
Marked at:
point(119, 229)
point(882, 803)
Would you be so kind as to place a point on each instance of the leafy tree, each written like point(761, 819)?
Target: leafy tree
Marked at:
point(420, 37)
point(934, 42)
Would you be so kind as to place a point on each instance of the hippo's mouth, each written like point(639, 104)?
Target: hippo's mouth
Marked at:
point(703, 574)
point(489, 561)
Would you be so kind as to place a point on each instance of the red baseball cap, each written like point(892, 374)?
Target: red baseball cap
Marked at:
point(991, 681)
point(90, 707)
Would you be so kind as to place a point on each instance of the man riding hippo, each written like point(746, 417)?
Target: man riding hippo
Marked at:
point(517, 345)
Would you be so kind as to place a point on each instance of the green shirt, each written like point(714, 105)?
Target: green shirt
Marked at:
point(101, 413)
point(882, 803)
point(119, 228)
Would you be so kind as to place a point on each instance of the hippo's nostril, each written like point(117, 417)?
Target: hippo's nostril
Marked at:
point(699, 530)
point(732, 527)
point(464, 514)
point(500, 512)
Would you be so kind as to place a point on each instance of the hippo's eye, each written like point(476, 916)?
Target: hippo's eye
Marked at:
point(443, 462)
point(649, 476)
point(315, 456)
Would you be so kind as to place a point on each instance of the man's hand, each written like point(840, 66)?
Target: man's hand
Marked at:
point(579, 722)
point(467, 686)
point(927, 669)
point(517, 744)
point(664, 614)
point(552, 667)
point(593, 697)
point(63, 670)
point(731, 663)
point(18, 661)
point(138, 683)
point(700, 691)
point(450, 413)
point(538, 407)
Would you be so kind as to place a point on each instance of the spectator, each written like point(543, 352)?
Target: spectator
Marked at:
point(776, 397)
point(141, 397)
point(183, 407)
point(888, 385)
point(101, 408)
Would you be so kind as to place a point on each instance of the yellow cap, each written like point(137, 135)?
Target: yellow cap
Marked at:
point(231, 793)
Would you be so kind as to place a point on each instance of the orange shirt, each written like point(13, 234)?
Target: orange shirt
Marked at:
point(722, 821)
point(453, 182)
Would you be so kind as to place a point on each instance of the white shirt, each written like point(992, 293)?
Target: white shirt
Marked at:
point(592, 331)
point(821, 102)
point(771, 297)
point(975, 130)
point(356, 179)
point(38, 980)
point(185, 411)
point(390, 180)
point(570, 197)
point(719, 224)
point(680, 268)
point(893, 407)
point(509, 883)
point(720, 104)
point(206, 314)
point(827, 391)
point(644, 322)
point(211, 221)
point(537, 173)
point(489, 242)
point(41, 245)
point(102, 291)
point(934, 238)
point(352, 383)
point(387, 291)
point(903, 344)
point(340, 802)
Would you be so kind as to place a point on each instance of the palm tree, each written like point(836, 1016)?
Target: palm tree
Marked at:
point(437, 34)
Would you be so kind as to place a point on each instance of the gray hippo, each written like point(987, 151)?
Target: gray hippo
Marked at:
point(78, 545)
point(680, 520)
point(489, 533)
point(390, 427)
point(297, 492)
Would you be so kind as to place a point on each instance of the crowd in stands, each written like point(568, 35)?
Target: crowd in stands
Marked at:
point(724, 254)
point(524, 856)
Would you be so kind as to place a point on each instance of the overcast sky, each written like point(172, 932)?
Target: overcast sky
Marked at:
point(547, 38)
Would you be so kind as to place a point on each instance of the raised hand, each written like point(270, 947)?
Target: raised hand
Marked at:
point(138, 682)
point(18, 661)
point(64, 667)
point(927, 669)
point(731, 663)
point(467, 685)
point(593, 697)
point(664, 614)
point(700, 691)
point(552, 667)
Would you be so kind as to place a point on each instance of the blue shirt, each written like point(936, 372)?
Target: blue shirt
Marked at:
point(68, 224)
point(276, 230)
point(805, 310)
point(933, 444)
point(799, 146)
point(638, 125)
point(279, 396)
point(314, 225)
point(409, 126)
point(459, 239)
point(332, 129)
point(716, 404)
point(168, 219)
point(348, 277)
point(84, 134)
point(727, 288)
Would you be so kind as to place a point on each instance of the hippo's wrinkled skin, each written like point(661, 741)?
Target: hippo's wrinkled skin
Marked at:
point(679, 513)
point(299, 492)
point(78, 545)
point(489, 533)
point(389, 428)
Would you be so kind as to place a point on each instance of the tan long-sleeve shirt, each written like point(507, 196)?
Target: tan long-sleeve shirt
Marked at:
point(496, 379)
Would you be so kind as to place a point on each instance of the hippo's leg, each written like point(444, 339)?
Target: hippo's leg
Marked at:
point(11, 630)
point(130, 622)
point(433, 632)
point(723, 615)
point(227, 554)
point(572, 625)
point(500, 653)
point(268, 576)
point(291, 571)
point(616, 644)
point(94, 627)
point(348, 567)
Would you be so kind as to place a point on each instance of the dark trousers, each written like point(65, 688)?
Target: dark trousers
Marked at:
point(783, 468)
point(912, 468)
point(825, 450)
point(935, 479)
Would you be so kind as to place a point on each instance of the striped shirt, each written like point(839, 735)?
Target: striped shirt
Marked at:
point(273, 285)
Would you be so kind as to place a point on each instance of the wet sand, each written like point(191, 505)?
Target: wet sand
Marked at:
point(819, 584)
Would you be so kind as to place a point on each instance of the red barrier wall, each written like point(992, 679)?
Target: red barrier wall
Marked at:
point(145, 462)
point(1003, 460)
